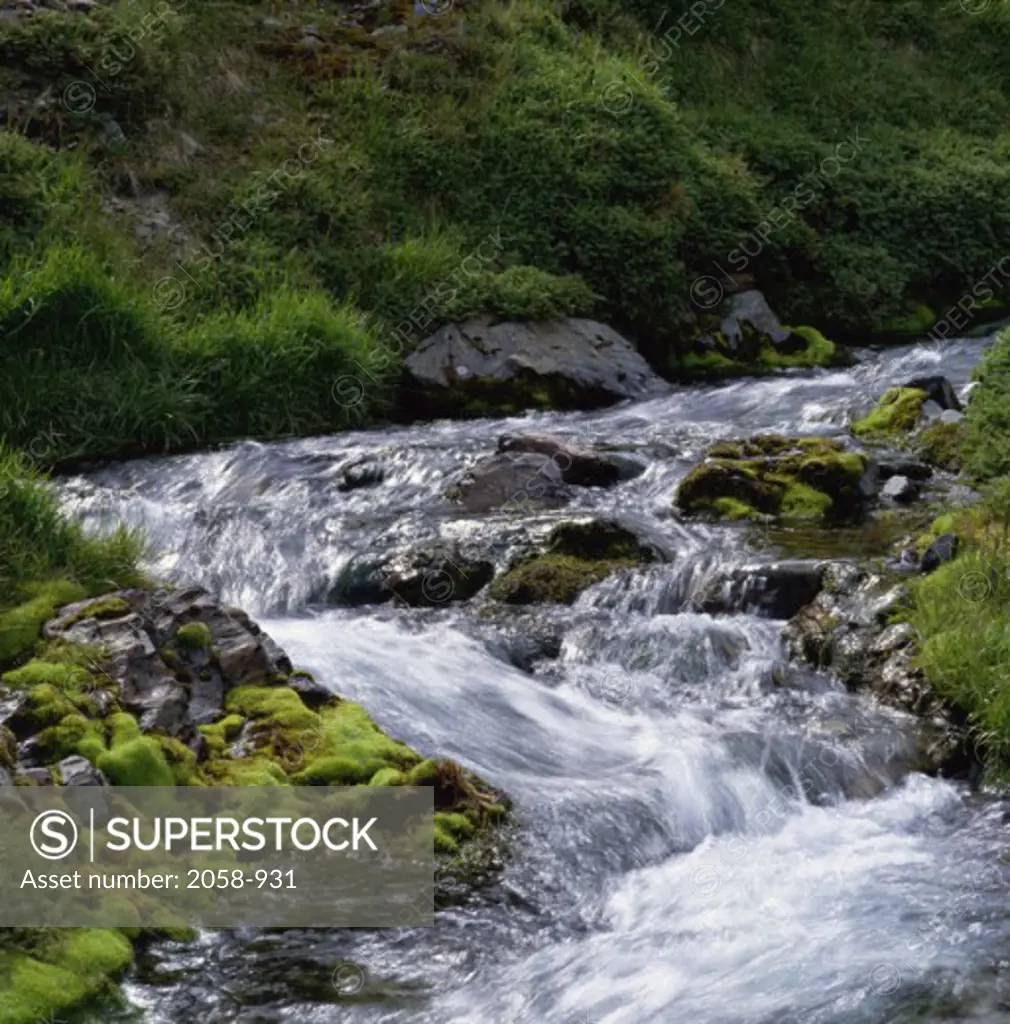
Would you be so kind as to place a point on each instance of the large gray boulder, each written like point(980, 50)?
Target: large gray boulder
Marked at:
point(481, 367)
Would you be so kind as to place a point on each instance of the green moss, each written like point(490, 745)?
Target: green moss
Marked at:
point(273, 705)
point(819, 351)
point(914, 324)
point(803, 502)
point(445, 842)
point(47, 705)
point(74, 734)
point(21, 626)
point(770, 475)
point(71, 967)
point(194, 636)
point(102, 608)
point(897, 413)
point(943, 445)
point(424, 774)
point(137, 762)
point(8, 748)
point(255, 770)
point(180, 759)
point(730, 509)
point(388, 777)
point(334, 771)
point(552, 579)
point(122, 728)
point(456, 824)
point(66, 677)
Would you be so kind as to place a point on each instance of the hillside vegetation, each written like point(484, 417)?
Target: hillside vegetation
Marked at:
point(214, 212)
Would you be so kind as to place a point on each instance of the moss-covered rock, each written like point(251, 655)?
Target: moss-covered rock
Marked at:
point(266, 735)
point(943, 445)
point(578, 555)
point(45, 973)
point(896, 415)
point(21, 625)
point(550, 579)
point(770, 475)
point(136, 762)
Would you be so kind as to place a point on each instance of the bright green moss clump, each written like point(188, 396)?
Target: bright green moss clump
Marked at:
point(819, 351)
point(795, 478)
point(70, 967)
point(136, 762)
point(897, 413)
point(194, 636)
point(21, 626)
point(274, 706)
point(66, 677)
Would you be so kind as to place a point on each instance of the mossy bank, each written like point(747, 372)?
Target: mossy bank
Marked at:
point(107, 677)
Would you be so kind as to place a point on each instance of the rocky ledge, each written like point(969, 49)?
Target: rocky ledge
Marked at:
point(853, 628)
point(162, 687)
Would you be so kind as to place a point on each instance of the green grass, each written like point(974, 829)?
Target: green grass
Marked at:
point(497, 120)
point(91, 367)
point(960, 613)
point(988, 444)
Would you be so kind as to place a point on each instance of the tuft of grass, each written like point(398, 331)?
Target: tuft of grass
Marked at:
point(960, 613)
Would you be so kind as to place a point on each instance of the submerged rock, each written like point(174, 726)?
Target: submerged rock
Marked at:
point(578, 466)
point(534, 471)
point(512, 481)
point(798, 478)
point(427, 577)
point(777, 590)
point(481, 367)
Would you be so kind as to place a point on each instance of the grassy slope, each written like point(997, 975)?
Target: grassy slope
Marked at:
point(615, 169)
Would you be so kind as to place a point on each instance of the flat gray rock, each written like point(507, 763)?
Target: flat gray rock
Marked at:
point(566, 364)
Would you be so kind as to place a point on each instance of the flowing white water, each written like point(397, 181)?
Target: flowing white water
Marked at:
point(706, 833)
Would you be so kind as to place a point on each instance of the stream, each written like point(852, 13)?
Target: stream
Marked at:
point(706, 833)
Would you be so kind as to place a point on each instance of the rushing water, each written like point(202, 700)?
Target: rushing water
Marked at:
point(706, 834)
